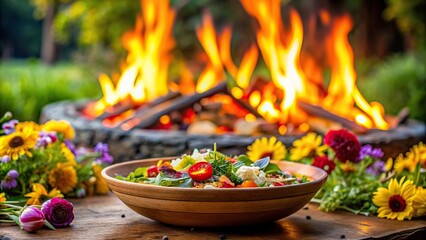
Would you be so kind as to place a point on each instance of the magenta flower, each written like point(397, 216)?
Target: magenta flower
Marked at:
point(345, 145)
point(9, 127)
point(46, 138)
point(32, 219)
point(9, 181)
point(58, 211)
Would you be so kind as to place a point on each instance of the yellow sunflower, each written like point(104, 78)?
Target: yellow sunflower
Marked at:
point(60, 126)
point(396, 201)
point(309, 145)
point(27, 126)
point(38, 192)
point(69, 156)
point(264, 147)
point(419, 203)
point(18, 143)
point(63, 177)
point(101, 185)
point(348, 166)
point(2, 197)
point(420, 152)
point(407, 163)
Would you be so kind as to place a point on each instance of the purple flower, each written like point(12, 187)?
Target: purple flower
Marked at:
point(32, 219)
point(71, 146)
point(58, 211)
point(105, 157)
point(368, 150)
point(9, 181)
point(376, 168)
point(9, 127)
point(5, 159)
point(46, 138)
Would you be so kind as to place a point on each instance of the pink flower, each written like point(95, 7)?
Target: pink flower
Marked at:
point(324, 163)
point(345, 145)
point(58, 211)
point(32, 219)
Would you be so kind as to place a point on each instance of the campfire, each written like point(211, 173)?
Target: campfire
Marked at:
point(227, 97)
point(218, 99)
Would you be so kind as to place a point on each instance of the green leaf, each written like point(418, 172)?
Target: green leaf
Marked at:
point(16, 219)
point(47, 224)
point(141, 172)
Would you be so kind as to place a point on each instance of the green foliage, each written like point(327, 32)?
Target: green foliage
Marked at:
point(25, 87)
point(399, 82)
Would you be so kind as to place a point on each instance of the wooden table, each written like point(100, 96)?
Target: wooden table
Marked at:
point(106, 217)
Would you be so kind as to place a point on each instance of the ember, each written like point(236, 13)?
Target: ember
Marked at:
point(294, 100)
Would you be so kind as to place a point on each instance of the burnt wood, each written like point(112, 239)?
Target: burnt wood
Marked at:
point(106, 217)
point(155, 113)
point(318, 111)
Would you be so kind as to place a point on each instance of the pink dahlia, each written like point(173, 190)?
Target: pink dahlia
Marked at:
point(345, 144)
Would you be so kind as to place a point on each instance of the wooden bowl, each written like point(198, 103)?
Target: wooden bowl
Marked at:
point(223, 207)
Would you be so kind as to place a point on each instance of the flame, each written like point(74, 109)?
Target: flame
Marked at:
point(218, 50)
point(342, 91)
point(145, 76)
point(281, 51)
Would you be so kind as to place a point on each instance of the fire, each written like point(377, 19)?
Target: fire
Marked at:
point(281, 50)
point(145, 76)
point(218, 51)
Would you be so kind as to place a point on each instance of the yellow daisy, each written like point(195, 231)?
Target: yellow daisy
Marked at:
point(38, 192)
point(407, 163)
point(63, 177)
point(60, 126)
point(396, 201)
point(307, 146)
point(420, 152)
point(264, 147)
point(2, 197)
point(27, 126)
point(101, 185)
point(18, 143)
point(69, 156)
point(419, 203)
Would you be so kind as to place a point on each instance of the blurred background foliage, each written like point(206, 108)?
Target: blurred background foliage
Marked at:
point(389, 40)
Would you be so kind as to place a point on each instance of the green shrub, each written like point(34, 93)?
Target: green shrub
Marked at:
point(399, 82)
point(25, 87)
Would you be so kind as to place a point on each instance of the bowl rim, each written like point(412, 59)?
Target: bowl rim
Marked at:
point(112, 181)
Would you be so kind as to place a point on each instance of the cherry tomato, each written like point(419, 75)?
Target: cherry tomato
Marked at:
point(200, 171)
point(152, 171)
point(248, 184)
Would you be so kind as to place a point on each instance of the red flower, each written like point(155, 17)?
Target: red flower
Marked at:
point(324, 163)
point(345, 144)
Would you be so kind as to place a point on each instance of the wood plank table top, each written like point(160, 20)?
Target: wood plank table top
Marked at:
point(106, 217)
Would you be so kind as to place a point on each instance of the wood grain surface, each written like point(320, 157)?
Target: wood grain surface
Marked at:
point(106, 217)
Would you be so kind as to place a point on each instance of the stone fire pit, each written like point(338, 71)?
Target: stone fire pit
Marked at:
point(141, 143)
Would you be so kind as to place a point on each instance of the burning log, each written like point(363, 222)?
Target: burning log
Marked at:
point(155, 113)
point(127, 105)
point(322, 113)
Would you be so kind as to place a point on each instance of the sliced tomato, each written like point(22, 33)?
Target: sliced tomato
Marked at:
point(248, 184)
point(226, 183)
point(200, 171)
point(152, 171)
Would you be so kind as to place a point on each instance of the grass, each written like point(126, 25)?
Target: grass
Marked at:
point(26, 86)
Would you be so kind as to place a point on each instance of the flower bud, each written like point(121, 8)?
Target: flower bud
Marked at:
point(58, 211)
point(32, 219)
